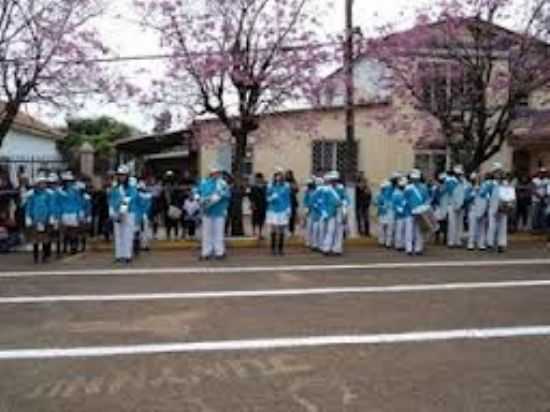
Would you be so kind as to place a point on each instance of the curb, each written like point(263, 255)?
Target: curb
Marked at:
point(250, 243)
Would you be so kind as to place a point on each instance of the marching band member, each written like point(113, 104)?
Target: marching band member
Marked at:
point(56, 202)
point(501, 203)
point(334, 214)
point(417, 197)
point(383, 212)
point(145, 202)
point(214, 195)
point(122, 209)
point(37, 218)
point(400, 212)
point(477, 203)
point(455, 187)
point(71, 212)
point(318, 225)
point(308, 206)
point(278, 211)
point(390, 231)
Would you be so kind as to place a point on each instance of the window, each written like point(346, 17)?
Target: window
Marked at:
point(330, 155)
point(431, 163)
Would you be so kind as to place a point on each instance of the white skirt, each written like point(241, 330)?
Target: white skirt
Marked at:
point(277, 218)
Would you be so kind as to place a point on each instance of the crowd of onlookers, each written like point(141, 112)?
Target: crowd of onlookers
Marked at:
point(177, 211)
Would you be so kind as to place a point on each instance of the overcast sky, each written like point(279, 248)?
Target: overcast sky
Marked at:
point(125, 37)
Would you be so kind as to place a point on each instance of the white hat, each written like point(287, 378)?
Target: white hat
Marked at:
point(123, 170)
point(67, 176)
point(497, 166)
point(169, 173)
point(396, 175)
point(459, 170)
point(53, 178)
point(473, 176)
point(442, 176)
point(333, 175)
point(41, 179)
point(319, 181)
point(543, 170)
point(416, 174)
point(402, 181)
point(385, 183)
point(279, 169)
point(214, 168)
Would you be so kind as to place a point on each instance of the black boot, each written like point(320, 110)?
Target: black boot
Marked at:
point(274, 243)
point(36, 252)
point(47, 252)
point(281, 244)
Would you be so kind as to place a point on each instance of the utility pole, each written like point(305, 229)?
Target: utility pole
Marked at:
point(350, 91)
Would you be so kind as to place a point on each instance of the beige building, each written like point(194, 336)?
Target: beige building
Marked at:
point(310, 141)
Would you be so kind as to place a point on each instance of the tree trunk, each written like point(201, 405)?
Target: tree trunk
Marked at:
point(237, 191)
point(7, 117)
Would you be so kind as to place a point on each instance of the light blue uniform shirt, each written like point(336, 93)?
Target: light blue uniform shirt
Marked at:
point(38, 207)
point(278, 197)
point(218, 188)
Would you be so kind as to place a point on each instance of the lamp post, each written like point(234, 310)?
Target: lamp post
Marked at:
point(350, 90)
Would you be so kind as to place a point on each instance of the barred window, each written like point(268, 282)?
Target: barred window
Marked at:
point(331, 155)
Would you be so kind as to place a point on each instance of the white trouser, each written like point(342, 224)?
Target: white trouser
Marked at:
point(497, 233)
point(334, 236)
point(382, 229)
point(414, 242)
point(477, 236)
point(146, 233)
point(455, 228)
point(318, 234)
point(399, 235)
point(213, 229)
point(390, 231)
point(310, 232)
point(124, 237)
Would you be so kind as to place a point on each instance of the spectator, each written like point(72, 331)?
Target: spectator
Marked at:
point(294, 190)
point(258, 204)
point(523, 196)
point(191, 216)
point(172, 206)
point(363, 198)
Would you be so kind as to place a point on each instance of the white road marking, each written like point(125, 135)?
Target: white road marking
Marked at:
point(277, 343)
point(257, 269)
point(273, 292)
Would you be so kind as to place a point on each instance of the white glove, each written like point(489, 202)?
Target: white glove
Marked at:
point(215, 198)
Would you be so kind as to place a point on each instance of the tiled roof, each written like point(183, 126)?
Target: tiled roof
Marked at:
point(26, 123)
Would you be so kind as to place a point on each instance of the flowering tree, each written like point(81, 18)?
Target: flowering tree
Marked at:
point(236, 60)
point(467, 77)
point(45, 52)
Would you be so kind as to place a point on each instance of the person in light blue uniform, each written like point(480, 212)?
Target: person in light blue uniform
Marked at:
point(71, 214)
point(316, 207)
point(145, 201)
point(455, 186)
point(500, 193)
point(308, 207)
point(38, 214)
point(390, 230)
point(382, 212)
point(278, 210)
point(214, 195)
point(334, 214)
point(122, 210)
point(417, 198)
point(401, 212)
point(477, 203)
point(56, 201)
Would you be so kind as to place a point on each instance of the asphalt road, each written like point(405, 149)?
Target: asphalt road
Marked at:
point(373, 331)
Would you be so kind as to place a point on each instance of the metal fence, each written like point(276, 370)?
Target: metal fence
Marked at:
point(30, 166)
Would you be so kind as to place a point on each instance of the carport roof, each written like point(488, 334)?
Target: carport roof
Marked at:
point(154, 143)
